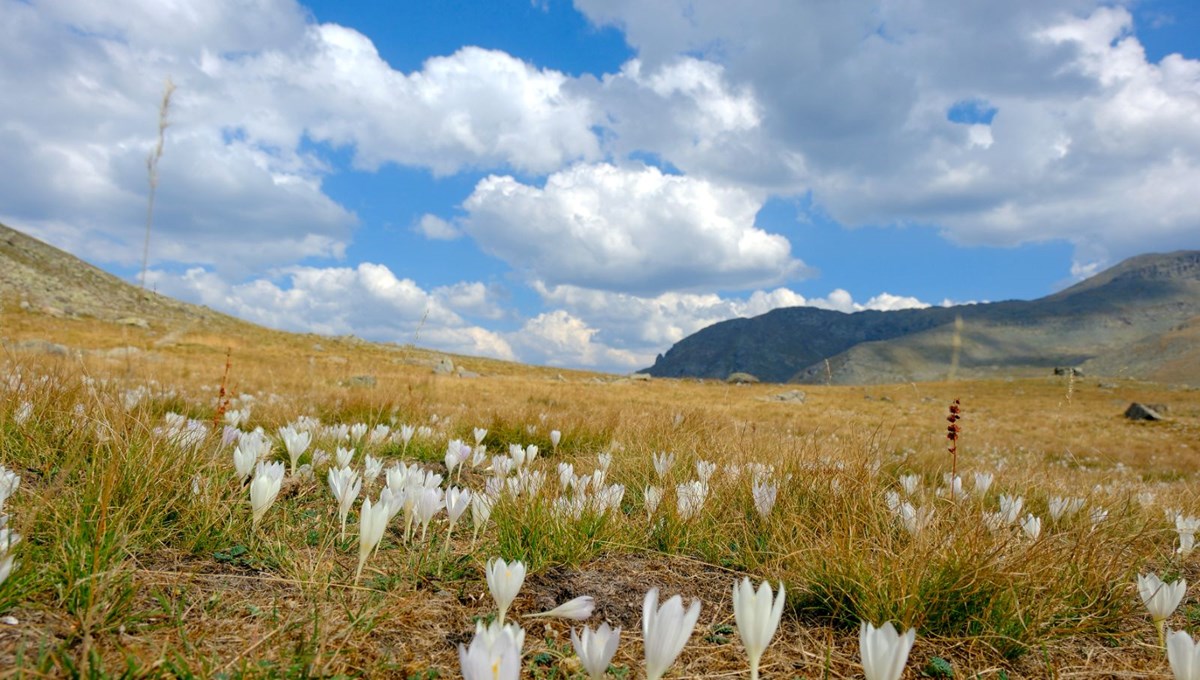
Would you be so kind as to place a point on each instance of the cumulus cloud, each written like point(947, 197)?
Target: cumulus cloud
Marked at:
point(385, 307)
point(437, 229)
point(260, 89)
point(1085, 139)
point(634, 230)
point(559, 339)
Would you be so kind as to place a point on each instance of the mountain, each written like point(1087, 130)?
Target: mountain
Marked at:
point(1138, 319)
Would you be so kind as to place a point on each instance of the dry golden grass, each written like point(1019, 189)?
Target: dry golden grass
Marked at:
point(167, 596)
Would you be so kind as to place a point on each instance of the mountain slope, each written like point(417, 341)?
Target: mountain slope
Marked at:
point(39, 277)
point(1110, 324)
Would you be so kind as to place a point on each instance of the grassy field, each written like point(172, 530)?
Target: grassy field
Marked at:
point(139, 558)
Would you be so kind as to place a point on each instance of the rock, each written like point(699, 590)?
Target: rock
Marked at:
point(122, 352)
point(464, 373)
point(137, 321)
point(558, 377)
point(444, 366)
point(1069, 370)
point(740, 378)
point(337, 360)
point(361, 381)
point(791, 396)
point(53, 311)
point(318, 347)
point(640, 377)
point(1108, 386)
point(1139, 411)
point(44, 347)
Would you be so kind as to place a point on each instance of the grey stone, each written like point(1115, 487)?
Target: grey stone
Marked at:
point(740, 378)
point(122, 352)
point(464, 373)
point(44, 347)
point(444, 366)
point(1139, 411)
point(640, 377)
point(361, 381)
point(791, 396)
point(137, 321)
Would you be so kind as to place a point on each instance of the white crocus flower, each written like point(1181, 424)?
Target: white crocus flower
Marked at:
point(494, 653)
point(884, 651)
point(1032, 526)
point(504, 581)
point(690, 498)
point(372, 523)
point(429, 504)
point(372, 467)
point(910, 484)
point(1010, 507)
point(296, 442)
point(983, 482)
point(343, 457)
point(1160, 598)
point(555, 437)
point(757, 617)
point(662, 463)
point(566, 475)
point(1184, 655)
point(596, 649)
point(652, 496)
point(578, 609)
point(705, 470)
point(244, 459)
point(764, 497)
point(1187, 543)
point(665, 631)
point(479, 455)
point(345, 484)
point(479, 433)
point(268, 479)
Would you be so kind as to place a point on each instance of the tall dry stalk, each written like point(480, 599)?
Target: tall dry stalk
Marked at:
point(164, 108)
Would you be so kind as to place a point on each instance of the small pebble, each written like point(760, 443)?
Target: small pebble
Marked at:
point(9, 620)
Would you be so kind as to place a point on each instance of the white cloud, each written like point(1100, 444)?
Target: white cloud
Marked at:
point(240, 187)
point(368, 300)
point(437, 229)
point(473, 299)
point(558, 339)
point(1090, 142)
point(628, 229)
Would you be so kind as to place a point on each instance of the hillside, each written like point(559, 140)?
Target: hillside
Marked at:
point(51, 299)
point(1138, 319)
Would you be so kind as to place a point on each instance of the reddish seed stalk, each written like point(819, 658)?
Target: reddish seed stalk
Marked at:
point(952, 433)
point(222, 399)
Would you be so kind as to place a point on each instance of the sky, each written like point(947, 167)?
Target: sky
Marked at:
point(584, 184)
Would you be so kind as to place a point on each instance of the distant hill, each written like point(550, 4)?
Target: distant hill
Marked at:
point(1139, 319)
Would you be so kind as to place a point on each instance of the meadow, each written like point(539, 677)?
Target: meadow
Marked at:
point(140, 554)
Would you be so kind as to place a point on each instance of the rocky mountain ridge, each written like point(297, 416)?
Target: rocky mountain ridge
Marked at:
point(1137, 319)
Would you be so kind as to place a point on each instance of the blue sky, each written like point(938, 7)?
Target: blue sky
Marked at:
point(583, 184)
